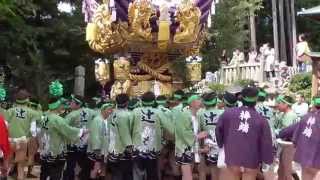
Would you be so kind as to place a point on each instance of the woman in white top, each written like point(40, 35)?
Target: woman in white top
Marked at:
point(302, 51)
point(252, 56)
point(270, 63)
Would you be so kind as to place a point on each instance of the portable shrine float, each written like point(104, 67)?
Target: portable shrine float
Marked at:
point(144, 37)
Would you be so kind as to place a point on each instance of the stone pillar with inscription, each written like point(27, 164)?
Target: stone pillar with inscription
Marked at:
point(79, 81)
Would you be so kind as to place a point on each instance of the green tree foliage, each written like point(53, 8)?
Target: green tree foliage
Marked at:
point(218, 88)
point(40, 44)
point(301, 84)
point(229, 30)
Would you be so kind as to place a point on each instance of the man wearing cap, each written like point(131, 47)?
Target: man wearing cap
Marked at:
point(20, 120)
point(306, 138)
point(287, 118)
point(98, 139)
point(208, 118)
point(54, 135)
point(246, 138)
point(80, 117)
point(120, 144)
point(148, 125)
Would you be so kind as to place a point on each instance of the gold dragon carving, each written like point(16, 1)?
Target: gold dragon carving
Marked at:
point(189, 18)
point(139, 14)
point(109, 36)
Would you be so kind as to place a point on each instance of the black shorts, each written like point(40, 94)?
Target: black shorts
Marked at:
point(211, 160)
point(185, 159)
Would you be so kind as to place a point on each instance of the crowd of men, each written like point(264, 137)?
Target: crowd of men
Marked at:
point(231, 136)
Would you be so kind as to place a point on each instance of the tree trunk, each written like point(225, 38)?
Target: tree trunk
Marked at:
point(294, 34)
point(275, 29)
point(283, 53)
point(253, 31)
point(289, 44)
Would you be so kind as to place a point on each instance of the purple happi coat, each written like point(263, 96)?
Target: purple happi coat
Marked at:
point(307, 140)
point(245, 136)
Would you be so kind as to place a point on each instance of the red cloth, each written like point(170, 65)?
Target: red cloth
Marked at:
point(4, 138)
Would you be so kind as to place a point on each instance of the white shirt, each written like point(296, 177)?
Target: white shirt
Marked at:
point(300, 109)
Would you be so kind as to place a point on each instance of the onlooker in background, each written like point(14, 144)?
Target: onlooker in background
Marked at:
point(252, 56)
point(300, 107)
point(224, 58)
point(237, 58)
point(269, 63)
point(261, 56)
point(302, 50)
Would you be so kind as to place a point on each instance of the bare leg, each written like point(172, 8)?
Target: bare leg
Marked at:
point(309, 174)
point(270, 175)
point(285, 167)
point(318, 175)
point(202, 169)
point(186, 172)
point(250, 174)
point(230, 173)
point(20, 168)
point(214, 171)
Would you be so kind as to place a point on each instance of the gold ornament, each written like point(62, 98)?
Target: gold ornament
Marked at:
point(189, 18)
point(120, 87)
point(155, 64)
point(140, 88)
point(121, 69)
point(144, 86)
point(91, 32)
point(194, 71)
point(109, 36)
point(102, 71)
point(138, 16)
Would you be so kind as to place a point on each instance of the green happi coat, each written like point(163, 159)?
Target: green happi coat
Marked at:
point(208, 121)
point(119, 131)
point(183, 130)
point(19, 119)
point(269, 114)
point(284, 120)
point(147, 127)
point(96, 137)
point(167, 135)
point(81, 119)
point(3, 112)
point(55, 133)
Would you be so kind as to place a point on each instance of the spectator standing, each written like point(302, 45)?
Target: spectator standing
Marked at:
point(224, 58)
point(252, 56)
point(300, 107)
point(302, 49)
point(269, 63)
point(237, 58)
